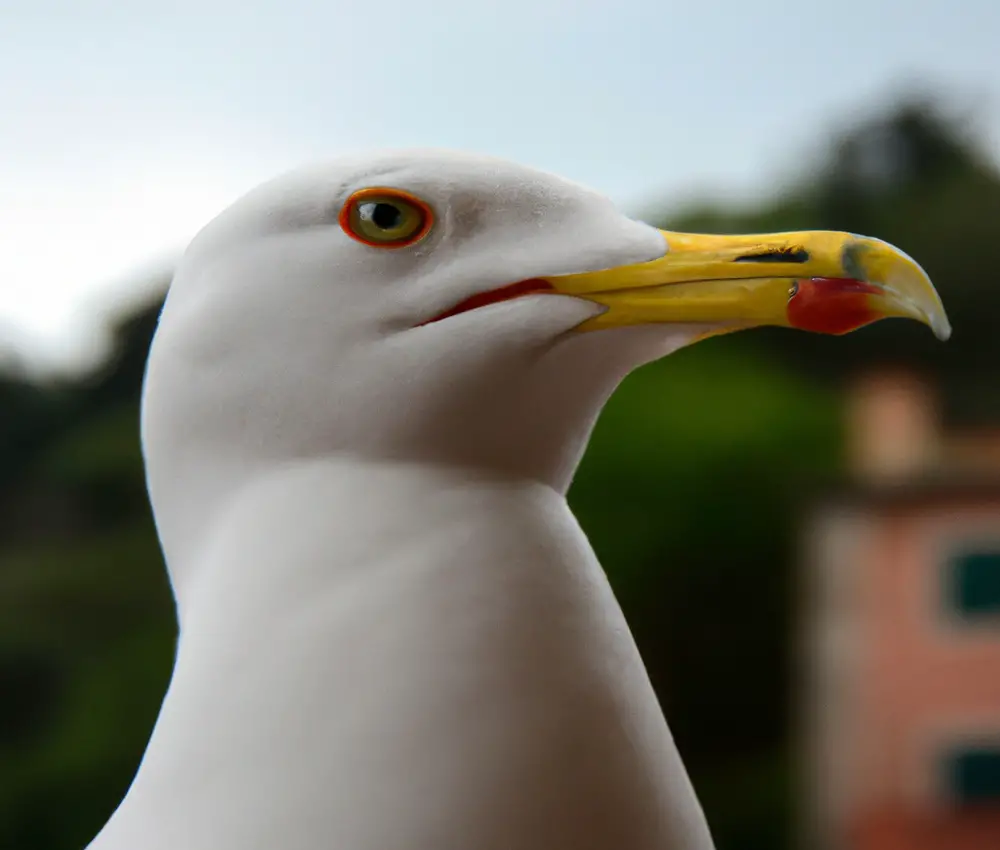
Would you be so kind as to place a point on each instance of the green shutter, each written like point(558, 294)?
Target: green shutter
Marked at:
point(975, 775)
point(975, 583)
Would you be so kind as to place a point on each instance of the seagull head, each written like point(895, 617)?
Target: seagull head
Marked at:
point(437, 307)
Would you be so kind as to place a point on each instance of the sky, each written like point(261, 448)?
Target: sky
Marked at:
point(126, 126)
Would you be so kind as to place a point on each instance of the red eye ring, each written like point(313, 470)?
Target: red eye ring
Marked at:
point(406, 219)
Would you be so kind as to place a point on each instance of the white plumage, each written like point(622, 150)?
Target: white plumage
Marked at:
point(393, 633)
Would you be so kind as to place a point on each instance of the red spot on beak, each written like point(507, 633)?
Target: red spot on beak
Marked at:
point(832, 305)
point(534, 286)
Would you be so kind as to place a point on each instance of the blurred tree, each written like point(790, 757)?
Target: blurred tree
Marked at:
point(86, 626)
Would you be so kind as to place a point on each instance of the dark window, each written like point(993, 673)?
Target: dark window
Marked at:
point(974, 775)
point(974, 579)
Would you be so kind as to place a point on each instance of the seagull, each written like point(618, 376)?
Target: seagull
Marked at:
point(369, 389)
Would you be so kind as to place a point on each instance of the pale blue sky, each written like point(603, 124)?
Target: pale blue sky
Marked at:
point(127, 124)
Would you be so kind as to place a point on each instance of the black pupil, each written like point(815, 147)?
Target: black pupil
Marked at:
point(386, 216)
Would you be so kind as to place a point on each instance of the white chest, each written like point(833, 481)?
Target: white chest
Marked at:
point(387, 662)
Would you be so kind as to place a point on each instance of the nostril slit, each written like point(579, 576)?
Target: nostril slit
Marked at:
point(783, 255)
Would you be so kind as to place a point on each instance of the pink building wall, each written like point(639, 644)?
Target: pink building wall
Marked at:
point(893, 676)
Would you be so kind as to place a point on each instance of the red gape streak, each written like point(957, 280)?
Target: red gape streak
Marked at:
point(533, 286)
point(832, 305)
point(828, 305)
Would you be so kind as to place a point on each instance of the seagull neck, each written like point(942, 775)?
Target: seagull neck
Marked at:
point(420, 637)
point(330, 520)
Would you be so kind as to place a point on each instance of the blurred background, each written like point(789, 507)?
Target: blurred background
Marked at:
point(804, 532)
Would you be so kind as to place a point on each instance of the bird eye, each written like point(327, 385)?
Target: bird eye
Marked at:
point(386, 218)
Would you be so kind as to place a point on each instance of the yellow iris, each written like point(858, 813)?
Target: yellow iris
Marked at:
point(386, 218)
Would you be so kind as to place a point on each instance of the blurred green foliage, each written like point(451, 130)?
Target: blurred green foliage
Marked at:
point(692, 492)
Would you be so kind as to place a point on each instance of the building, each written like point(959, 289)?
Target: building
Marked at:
point(900, 672)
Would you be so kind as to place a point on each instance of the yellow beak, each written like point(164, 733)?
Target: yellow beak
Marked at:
point(821, 281)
